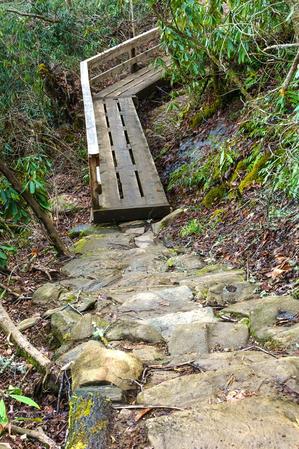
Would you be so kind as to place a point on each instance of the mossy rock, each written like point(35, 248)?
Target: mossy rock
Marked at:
point(214, 195)
point(241, 168)
point(205, 113)
point(253, 175)
point(89, 418)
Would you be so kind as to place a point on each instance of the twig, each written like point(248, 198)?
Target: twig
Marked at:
point(36, 435)
point(257, 348)
point(296, 44)
point(9, 290)
point(34, 16)
point(138, 407)
point(290, 75)
point(171, 367)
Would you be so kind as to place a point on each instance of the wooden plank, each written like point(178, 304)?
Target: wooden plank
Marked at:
point(91, 134)
point(142, 83)
point(110, 194)
point(124, 47)
point(145, 212)
point(123, 82)
point(125, 167)
point(149, 177)
point(120, 68)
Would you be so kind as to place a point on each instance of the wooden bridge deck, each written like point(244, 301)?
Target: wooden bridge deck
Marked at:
point(125, 184)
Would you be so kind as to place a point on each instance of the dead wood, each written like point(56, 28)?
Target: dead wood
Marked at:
point(38, 435)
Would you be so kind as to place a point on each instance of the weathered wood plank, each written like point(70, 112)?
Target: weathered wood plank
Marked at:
point(146, 212)
point(125, 166)
point(110, 194)
point(149, 177)
point(120, 68)
point(124, 47)
point(91, 134)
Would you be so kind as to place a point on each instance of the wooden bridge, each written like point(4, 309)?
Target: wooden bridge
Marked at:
point(124, 181)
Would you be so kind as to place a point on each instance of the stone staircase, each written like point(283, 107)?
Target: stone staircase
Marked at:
point(212, 363)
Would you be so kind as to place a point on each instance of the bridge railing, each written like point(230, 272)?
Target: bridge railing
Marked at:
point(111, 63)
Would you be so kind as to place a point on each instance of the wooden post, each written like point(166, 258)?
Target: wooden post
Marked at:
point(95, 184)
point(134, 66)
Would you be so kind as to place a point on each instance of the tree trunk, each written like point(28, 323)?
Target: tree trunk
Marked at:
point(42, 216)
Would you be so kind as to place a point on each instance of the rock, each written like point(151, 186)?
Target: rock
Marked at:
point(83, 328)
point(89, 418)
point(223, 293)
point(227, 336)
point(131, 225)
point(221, 360)
point(145, 240)
point(166, 324)
point(186, 262)
point(82, 230)
point(5, 446)
point(133, 331)
point(135, 232)
point(62, 322)
point(159, 301)
point(250, 423)
point(262, 314)
point(201, 338)
point(47, 294)
point(29, 322)
point(95, 244)
point(284, 337)
point(166, 221)
point(111, 392)
point(201, 284)
point(195, 389)
point(63, 204)
point(72, 354)
point(189, 338)
point(149, 354)
point(100, 365)
point(95, 267)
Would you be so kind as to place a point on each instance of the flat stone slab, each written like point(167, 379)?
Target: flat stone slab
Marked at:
point(93, 244)
point(201, 338)
point(166, 324)
point(196, 389)
point(133, 331)
point(251, 423)
point(159, 301)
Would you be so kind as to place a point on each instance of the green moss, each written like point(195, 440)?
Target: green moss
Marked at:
point(80, 245)
point(241, 167)
point(205, 113)
point(101, 425)
point(214, 195)
point(210, 269)
point(253, 175)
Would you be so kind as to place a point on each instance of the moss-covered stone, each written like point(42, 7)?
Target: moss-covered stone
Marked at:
point(89, 417)
point(241, 168)
point(253, 175)
point(205, 113)
point(214, 195)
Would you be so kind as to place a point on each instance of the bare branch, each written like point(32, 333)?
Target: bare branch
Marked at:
point(34, 16)
point(296, 44)
point(35, 434)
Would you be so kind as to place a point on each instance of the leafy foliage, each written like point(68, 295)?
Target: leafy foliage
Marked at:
point(15, 394)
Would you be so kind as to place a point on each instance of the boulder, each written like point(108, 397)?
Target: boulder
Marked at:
point(47, 294)
point(149, 354)
point(72, 354)
point(133, 331)
point(99, 365)
point(250, 423)
point(62, 322)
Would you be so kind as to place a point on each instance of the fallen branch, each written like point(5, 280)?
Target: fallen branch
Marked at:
point(258, 348)
point(296, 44)
point(35, 357)
point(9, 290)
point(33, 16)
point(36, 435)
point(289, 76)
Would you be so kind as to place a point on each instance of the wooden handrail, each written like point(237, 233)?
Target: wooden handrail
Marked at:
point(124, 47)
